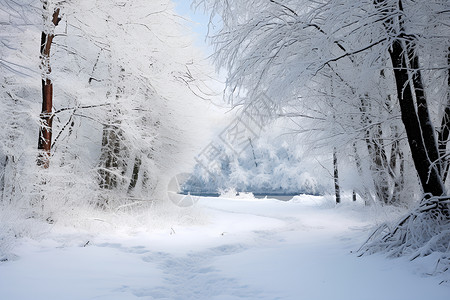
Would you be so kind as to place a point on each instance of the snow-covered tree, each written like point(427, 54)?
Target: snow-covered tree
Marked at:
point(265, 167)
point(125, 79)
point(360, 66)
point(344, 53)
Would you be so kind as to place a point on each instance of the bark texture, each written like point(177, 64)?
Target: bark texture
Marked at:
point(412, 100)
point(46, 116)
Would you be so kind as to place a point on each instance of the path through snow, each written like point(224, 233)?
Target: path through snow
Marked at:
point(249, 249)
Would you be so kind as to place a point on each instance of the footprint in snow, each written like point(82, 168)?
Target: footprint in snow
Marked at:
point(134, 249)
point(194, 277)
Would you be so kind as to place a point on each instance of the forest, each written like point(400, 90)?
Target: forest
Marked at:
point(118, 129)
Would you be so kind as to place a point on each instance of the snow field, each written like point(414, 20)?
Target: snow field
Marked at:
point(241, 249)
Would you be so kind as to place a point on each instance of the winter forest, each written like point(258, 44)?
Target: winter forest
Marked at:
point(287, 149)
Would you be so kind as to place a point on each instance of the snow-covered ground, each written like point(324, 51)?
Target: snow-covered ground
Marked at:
point(234, 249)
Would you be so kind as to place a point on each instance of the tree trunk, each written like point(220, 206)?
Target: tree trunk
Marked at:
point(443, 141)
point(379, 163)
point(397, 167)
point(365, 193)
point(109, 161)
point(412, 100)
point(135, 175)
point(45, 130)
point(423, 149)
point(378, 159)
point(336, 178)
point(112, 165)
point(444, 132)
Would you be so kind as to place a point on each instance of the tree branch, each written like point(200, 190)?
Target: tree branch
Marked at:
point(80, 107)
point(347, 54)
